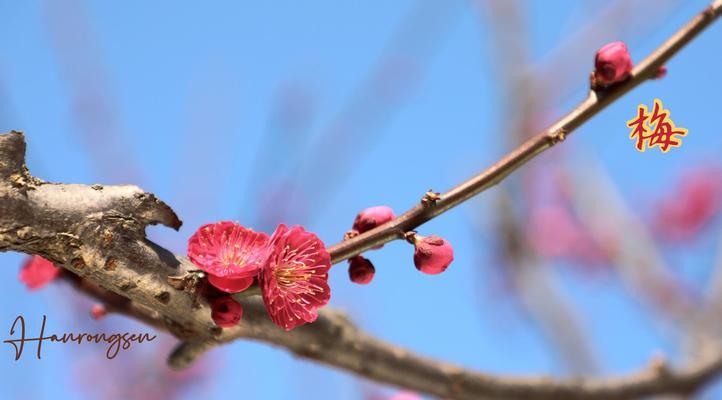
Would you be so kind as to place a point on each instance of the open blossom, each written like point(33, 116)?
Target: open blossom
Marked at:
point(612, 63)
point(432, 254)
point(360, 270)
point(230, 253)
point(294, 282)
point(226, 312)
point(37, 272)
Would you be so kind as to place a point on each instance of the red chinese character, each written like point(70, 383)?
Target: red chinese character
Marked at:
point(663, 131)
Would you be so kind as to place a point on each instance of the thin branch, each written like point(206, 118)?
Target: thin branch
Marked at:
point(98, 233)
point(589, 107)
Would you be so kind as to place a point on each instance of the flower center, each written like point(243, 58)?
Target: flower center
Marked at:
point(289, 275)
point(232, 258)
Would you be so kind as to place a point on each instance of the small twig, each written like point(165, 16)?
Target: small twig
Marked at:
point(589, 107)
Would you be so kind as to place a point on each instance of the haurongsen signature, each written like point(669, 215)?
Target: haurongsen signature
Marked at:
point(115, 342)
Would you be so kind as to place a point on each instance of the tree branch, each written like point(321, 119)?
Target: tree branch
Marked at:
point(98, 233)
point(595, 102)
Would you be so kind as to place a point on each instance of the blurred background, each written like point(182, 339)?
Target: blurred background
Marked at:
point(586, 261)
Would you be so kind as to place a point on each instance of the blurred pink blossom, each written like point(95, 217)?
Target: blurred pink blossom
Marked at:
point(37, 272)
point(695, 202)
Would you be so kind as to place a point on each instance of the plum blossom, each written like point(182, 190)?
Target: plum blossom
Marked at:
point(38, 272)
point(230, 253)
point(696, 201)
point(294, 281)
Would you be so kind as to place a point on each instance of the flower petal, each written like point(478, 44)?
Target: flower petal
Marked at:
point(230, 285)
point(227, 249)
point(294, 282)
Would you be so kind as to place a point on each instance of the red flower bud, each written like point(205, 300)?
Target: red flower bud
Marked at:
point(98, 311)
point(226, 312)
point(433, 254)
point(661, 73)
point(612, 63)
point(360, 270)
point(372, 217)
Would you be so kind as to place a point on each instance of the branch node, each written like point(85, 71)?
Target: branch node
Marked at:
point(350, 234)
point(558, 136)
point(410, 237)
point(430, 198)
point(659, 365)
point(190, 281)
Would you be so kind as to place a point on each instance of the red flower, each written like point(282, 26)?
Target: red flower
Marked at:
point(226, 312)
point(231, 254)
point(612, 63)
point(294, 282)
point(433, 254)
point(38, 272)
point(372, 217)
point(360, 270)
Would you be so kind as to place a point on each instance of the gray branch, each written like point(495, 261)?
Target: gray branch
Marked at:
point(98, 233)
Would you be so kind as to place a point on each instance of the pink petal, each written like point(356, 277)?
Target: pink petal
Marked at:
point(227, 249)
point(294, 282)
point(230, 285)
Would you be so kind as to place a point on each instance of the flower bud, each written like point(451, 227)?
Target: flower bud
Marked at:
point(360, 270)
point(372, 217)
point(661, 72)
point(226, 312)
point(98, 311)
point(433, 254)
point(612, 64)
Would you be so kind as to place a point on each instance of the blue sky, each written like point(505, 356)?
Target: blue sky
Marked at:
point(180, 99)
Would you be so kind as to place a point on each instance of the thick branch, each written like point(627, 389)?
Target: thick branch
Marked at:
point(592, 105)
point(98, 233)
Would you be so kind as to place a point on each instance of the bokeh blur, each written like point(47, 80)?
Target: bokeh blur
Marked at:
point(306, 112)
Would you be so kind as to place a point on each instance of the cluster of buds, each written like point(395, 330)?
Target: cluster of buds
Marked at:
point(432, 254)
point(360, 269)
